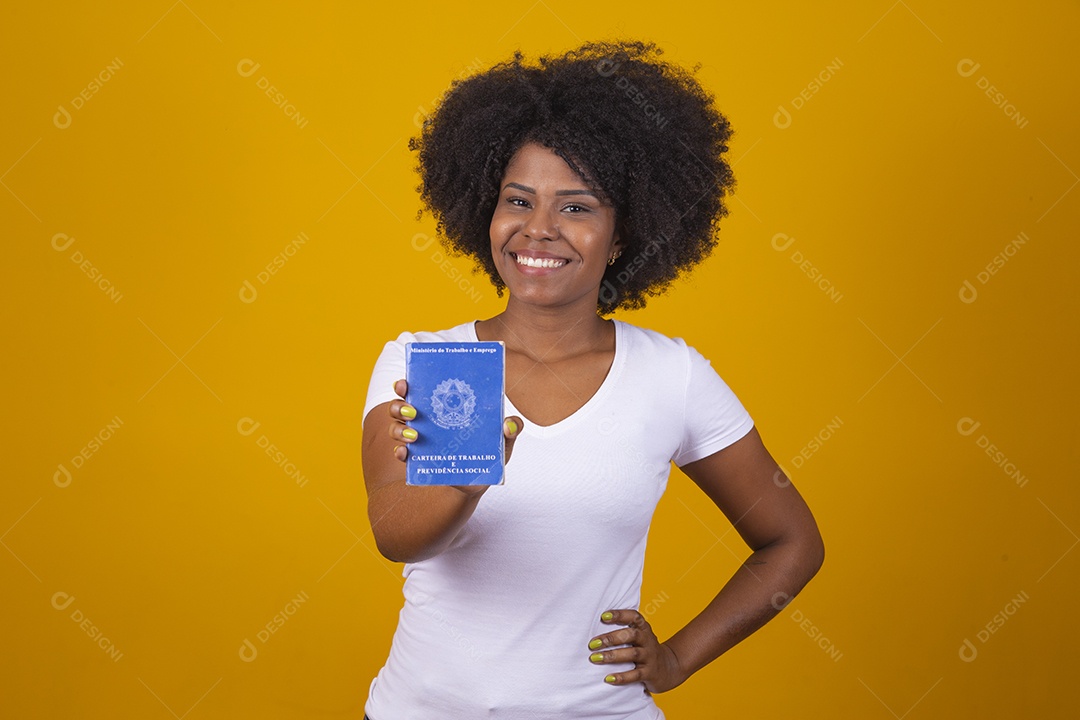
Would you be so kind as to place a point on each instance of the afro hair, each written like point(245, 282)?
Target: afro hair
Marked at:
point(641, 133)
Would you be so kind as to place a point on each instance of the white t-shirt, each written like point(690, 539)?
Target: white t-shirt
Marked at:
point(498, 625)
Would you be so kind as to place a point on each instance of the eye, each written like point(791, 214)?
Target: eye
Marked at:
point(517, 201)
point(574, 209)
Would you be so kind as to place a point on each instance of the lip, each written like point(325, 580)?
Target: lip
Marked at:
point(538, 255)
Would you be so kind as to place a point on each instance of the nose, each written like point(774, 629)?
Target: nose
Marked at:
point(540, 225)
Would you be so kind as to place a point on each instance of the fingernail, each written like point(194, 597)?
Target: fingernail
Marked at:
point(596, 657)
point(408, 433)
point(607, 617)
point(596, 644)
point(512, 427)
point(609, 679)
point(408, 411)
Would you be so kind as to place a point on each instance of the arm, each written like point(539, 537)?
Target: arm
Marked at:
point(771, 517)
point(411, 523)
point(750, 489)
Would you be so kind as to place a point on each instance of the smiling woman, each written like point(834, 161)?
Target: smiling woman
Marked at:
point(522, 600)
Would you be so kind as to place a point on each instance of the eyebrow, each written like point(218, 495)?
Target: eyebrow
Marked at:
point(526, 188)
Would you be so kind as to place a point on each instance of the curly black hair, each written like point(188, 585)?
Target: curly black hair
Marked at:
point(641, 133)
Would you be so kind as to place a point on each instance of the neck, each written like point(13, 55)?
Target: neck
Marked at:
point(549, 333)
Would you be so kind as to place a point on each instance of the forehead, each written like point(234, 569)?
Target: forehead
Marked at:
point(540, 164)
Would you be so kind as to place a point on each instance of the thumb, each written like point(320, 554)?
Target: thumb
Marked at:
point(512, 427)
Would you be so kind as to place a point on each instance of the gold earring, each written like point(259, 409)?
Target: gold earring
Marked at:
point(614, 257)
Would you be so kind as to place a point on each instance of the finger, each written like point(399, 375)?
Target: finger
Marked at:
point(625, 678)
point(625, 636)
point(400, 410)
point(636, 630)
point(397, 406)
point(402, 432)
point(630, 618)
point(633, 654)
point(512, 427)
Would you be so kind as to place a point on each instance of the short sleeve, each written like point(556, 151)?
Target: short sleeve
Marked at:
point(389, 368)
point(714, 416)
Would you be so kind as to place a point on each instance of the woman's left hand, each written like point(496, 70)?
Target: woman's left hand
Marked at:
point(656, 664)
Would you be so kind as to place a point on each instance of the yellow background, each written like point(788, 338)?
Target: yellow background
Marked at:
point(179, 180)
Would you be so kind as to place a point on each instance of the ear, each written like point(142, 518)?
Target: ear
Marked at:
point(616, 243)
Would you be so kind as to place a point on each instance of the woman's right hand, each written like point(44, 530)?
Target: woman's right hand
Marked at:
point(401, 412)
point(410, 525)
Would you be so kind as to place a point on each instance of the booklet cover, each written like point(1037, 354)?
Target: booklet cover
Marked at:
point(457, 390)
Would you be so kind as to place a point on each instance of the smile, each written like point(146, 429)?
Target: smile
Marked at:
point(539, 262)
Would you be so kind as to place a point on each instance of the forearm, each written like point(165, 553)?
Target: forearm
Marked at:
point(757, 591)
point(412, 523)
point(409, 522)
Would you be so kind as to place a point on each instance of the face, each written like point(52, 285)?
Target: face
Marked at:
point(551, 236)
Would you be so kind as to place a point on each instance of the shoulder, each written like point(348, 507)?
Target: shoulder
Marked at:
point(651, 351)
point(647, 344)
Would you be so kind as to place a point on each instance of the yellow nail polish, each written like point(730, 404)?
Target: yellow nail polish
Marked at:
point(408, 433)
point(512, 427)
point(609, 679)
point(607, 617)
point(596, 644)
point(408, 411)
point(596, 657)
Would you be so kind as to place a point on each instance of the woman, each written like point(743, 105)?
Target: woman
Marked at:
point(581, 184)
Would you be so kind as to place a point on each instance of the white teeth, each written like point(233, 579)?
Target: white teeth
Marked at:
point(539, 262)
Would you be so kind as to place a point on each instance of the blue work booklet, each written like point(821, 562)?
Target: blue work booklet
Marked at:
point(457, 390)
